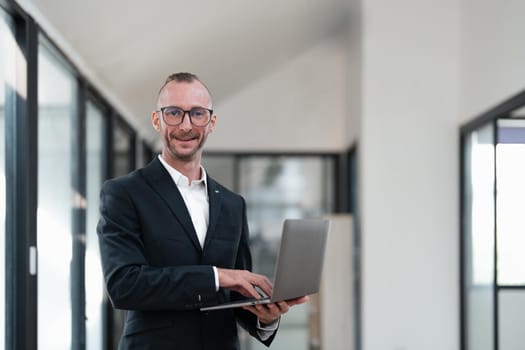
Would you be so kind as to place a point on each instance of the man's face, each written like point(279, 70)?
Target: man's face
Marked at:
point(184, 141)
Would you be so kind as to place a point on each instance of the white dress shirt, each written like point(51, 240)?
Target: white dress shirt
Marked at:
point(195, 195)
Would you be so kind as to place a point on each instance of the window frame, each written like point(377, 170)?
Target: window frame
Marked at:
point(503, 110)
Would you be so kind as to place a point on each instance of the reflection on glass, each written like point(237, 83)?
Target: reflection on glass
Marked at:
point(5, 66)
point(276, 188)
point(95, 131)
point(510, 155)
point(56, 91)
point(122, 141)
point(479, 239)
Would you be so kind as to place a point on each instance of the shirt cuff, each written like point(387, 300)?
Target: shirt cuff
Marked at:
point(266, 332)
point(216, 275)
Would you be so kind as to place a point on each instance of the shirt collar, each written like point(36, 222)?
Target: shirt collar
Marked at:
point(181, 180)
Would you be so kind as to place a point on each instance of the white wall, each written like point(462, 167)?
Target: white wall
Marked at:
point(336, 296)
point(428, 67)
point(409, 174)
point(492, 53)
point(299, 106)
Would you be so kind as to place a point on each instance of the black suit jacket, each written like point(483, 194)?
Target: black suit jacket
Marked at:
point(155, 268)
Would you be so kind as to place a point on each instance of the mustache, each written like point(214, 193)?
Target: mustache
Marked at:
point(183, 135)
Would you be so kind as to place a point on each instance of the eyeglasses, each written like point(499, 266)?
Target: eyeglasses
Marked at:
point(199, 116)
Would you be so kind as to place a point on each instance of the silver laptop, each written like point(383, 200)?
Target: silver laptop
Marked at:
point(299, 263)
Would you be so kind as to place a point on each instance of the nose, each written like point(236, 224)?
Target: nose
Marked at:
point(186, 122)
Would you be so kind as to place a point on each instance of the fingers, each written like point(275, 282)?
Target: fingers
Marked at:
point(263, 283)
point(243, 282)
point(297, 301)
point(249, 280)
point(269, 313)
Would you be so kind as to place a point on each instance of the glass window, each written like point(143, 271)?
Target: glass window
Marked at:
point(147, 154)
point(275, 188)
point(123, 163)
point(95, 174)
point(56, 101)
point(511, 318)
point(510, 152)
point(493, 262)
point(6, 67)
point(123, 149)
point(478, 233)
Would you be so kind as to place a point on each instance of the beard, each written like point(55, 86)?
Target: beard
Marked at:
point(184, 153)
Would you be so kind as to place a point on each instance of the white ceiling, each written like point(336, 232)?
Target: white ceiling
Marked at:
point(129, 47)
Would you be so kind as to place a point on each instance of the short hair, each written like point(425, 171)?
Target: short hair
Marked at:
point(183, 77)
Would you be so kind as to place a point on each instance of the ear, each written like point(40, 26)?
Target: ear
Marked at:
point(155, 120)
point(213, 120)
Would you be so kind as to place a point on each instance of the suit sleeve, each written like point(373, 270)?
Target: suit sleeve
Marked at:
point(131, 282)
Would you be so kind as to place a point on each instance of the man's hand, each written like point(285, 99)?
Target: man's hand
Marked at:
point(269, 313)
point(243, 282)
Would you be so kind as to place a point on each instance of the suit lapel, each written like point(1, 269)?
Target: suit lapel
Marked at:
point(162, 183)
point(214, 197)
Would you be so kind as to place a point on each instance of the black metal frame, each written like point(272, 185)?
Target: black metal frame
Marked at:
point(92, 96)
point(353, 207)
point(78, 290)
point(501, 111)
point(21, 195)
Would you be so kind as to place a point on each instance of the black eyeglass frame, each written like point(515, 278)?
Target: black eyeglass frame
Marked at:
point(161, 110)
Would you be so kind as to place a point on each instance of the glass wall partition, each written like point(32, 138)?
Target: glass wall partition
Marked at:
point(51, 151)
point(510, 224)
point(479, 238)
point(95, 174)
point(492, 229)
point(122, 162)
point(56, 110)
point(277, 187)
point(510, 189)
point(124, 146)
point(147, 153)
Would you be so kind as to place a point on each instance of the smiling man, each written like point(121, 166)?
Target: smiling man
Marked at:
point(173, 240)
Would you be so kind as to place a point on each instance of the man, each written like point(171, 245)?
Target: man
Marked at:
point(173, 240)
